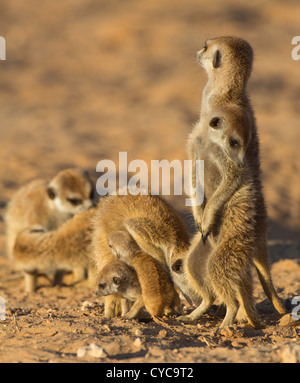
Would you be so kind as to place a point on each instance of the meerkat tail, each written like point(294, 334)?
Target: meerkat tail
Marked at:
point(268, 287)
point(248, 306)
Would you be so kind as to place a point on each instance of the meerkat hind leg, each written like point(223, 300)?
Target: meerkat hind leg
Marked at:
point(144, 232)
point(231, 311)
point(198, 312)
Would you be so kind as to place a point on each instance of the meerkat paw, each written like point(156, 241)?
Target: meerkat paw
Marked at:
point(206, 229)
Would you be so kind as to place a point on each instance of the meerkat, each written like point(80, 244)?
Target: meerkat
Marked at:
point(46, 205)
point(153, 223)
point(222, 267)
point(221, 139)
point(66, 248)
point(119, 278)
point(228, 63)
point(157, 290)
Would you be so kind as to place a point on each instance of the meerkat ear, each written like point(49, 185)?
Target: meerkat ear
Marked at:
point(215, 122)
point(217, 59)
point(51, 192)
point(116, 280)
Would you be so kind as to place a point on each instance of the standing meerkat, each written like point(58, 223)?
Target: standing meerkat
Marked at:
point(157, 291)
point(46, 205)
point(221, 266)
point(154, 225)
point(66, 249)
point(228, 63)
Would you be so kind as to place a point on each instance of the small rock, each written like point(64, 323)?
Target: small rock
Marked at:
point(87, 305)
point(138, 332)
point(92, 350)
point(137, 343)
point(106, 328)
point(290, 353)
point(162, 334)
point(286, 320)
point(237, 344)
point(228, 332)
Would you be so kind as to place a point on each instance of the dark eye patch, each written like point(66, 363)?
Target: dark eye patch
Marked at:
point(234, 143)
point(215, 122)
point(75, 201)
point(177, 266)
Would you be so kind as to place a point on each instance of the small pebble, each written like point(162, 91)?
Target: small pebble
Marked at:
point(92, 350)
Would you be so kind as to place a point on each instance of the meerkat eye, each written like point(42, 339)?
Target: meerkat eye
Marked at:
point(217, 59)
point(234, 143)
point(177, 266)
point(116, 280)
point(215, 122)
point(205, 46)
point(102, 285)
point(51, 192)
point(75, 201)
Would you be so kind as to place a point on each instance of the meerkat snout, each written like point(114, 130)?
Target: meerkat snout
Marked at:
point(207, 57)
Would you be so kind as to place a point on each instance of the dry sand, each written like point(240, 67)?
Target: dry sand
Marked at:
point(85, 80)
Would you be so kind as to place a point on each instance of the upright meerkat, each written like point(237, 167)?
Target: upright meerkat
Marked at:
point(46, 205)
point(221, 267)
point(66, 248)
point(157, 291)
point(228, 63)
point(154, 225)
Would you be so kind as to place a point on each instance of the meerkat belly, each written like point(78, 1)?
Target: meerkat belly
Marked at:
point(212, 178)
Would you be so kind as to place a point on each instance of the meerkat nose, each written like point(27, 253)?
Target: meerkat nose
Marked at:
point(241, 163)
point(199, 54)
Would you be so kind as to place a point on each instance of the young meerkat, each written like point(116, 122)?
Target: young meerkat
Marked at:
point(46, 205)
point(153, 224)
point(228, 63)
point(65, 249)
point(157, 290)
point(119, 278)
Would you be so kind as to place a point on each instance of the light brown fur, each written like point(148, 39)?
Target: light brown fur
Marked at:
point(158, 293)
point(64, 249)
point(237, 222)
point(152, 222)
point(46, 205)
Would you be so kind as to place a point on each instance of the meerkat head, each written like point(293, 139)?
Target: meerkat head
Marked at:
point(122, 244)
point(232, 57)
point(112, 278)
point(71, 191)
point(230, 128)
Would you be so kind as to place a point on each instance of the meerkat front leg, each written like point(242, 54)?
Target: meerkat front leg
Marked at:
point(135, 309)
point(221, 196)
point(30, 281)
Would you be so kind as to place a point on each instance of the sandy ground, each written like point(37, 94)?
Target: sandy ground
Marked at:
point(85, 80)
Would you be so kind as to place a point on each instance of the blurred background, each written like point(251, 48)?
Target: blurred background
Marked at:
point(87, 79)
